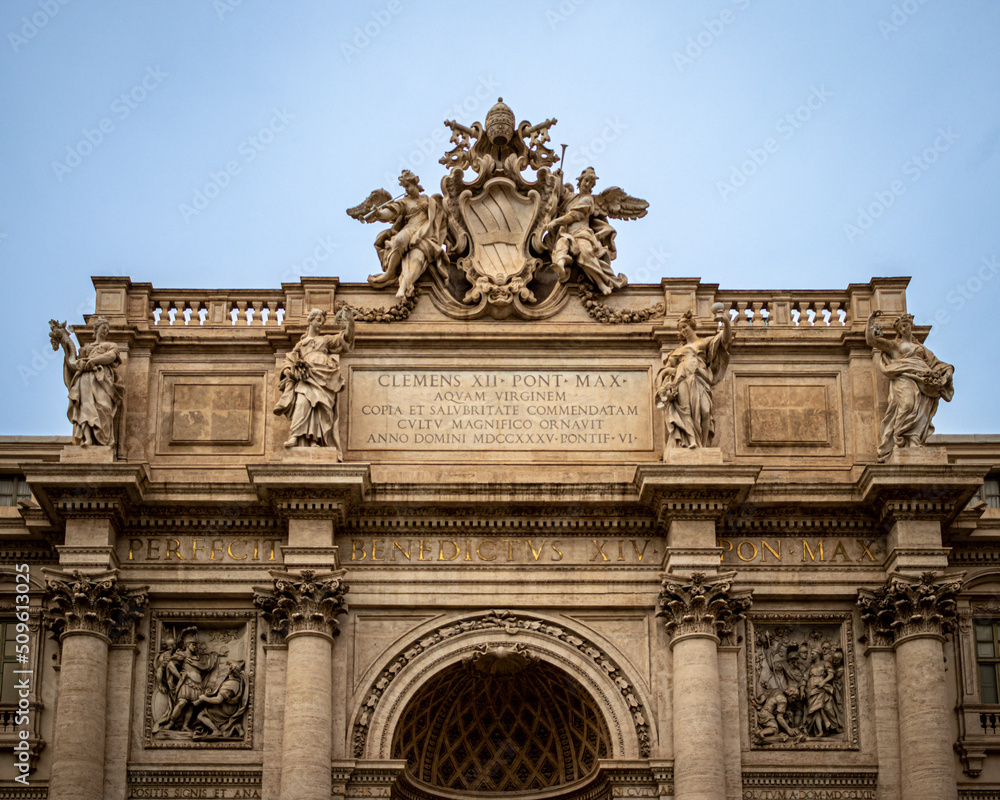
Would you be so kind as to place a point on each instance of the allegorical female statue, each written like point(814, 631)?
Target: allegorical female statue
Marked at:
point(311, 379)
point(917, 380)
point(416, 237)
point(95, 387)
point(582, 234)
point(684, 383)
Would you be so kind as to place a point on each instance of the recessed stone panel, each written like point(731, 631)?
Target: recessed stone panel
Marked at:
point(205, 413)
point(788, 414)
point(799, 413)
point(218, 412)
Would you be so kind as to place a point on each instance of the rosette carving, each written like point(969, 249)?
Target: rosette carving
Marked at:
point(97, 604)
point(907, 606)
point(304, 602)
point(702, 604)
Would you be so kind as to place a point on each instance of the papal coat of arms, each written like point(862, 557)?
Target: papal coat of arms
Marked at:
point(499, 244)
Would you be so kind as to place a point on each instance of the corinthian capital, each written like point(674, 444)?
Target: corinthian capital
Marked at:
point(702, 604)
point(907, 606)
point(304, 602)
point(96, 604)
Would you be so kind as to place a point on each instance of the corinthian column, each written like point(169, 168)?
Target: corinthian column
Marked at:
point(87, 613)
point(917, 613)
point(698, 611)
point(305, 606)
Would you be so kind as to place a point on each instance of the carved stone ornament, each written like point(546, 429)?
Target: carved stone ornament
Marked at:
point(200, 680)
point(95, 386)
point(500, 659)
point(803, 692)
point(96, 604)
point(702, 604)
point(917, 380)
point(510, 624)
point(304, 602)
point(908, 606)
point(500, 244)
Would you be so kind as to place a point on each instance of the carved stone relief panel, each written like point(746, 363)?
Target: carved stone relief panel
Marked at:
point(802, 682)
point(199, 684)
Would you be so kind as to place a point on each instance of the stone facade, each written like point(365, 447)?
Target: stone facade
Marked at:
point(504, 570)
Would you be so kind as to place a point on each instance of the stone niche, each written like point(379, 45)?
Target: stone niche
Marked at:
point(200, 680)
point(802, 685)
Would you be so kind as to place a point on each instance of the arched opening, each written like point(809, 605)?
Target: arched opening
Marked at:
point(501, 721)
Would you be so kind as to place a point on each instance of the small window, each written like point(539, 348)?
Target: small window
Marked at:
point(989, 492)
point(988, 660)
point(12, 489)
point(8, 661)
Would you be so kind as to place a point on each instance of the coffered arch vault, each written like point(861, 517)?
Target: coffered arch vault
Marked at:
point(548, 643)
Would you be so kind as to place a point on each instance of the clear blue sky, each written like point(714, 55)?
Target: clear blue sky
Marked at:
point(863, 101)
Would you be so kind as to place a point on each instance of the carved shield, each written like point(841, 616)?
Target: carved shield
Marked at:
point(499, 220)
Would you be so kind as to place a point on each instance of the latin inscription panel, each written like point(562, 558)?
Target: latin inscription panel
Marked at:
point(500, 410)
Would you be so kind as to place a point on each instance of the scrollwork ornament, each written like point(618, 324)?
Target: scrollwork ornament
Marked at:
point(702, 604)
point(304, 602)
point(96, 604)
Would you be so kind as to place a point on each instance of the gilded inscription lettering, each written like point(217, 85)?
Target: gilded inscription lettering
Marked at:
point(839, 550)
point(500, 409)
point(499, 550)
point(192, 550)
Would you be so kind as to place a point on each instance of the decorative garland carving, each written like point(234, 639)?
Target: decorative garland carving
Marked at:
point(911, 607)
point(603, 313)
point(98, 604)
point(511, 623)
point(395, 313)
point(702, 604)
point(304, 602)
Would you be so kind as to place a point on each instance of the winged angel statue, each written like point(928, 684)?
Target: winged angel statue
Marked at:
point(499, 243)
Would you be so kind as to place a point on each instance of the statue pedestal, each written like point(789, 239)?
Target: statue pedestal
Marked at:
point(695, 455)
point(91, 454)
point(310, 455)
point(918, 455)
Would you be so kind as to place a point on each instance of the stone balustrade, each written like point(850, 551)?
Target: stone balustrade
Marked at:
point(216, 308)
